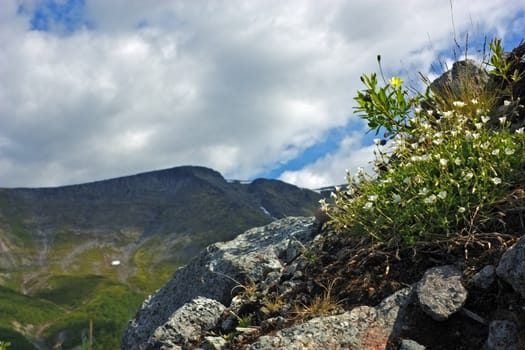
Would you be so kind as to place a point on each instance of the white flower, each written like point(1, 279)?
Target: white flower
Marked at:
point(502, 120)
point(443, 162)
point(442, 194)
point(461, 209)
point(457, 161)
point(430, 199)
point(495, 152)
point(506, 103)
point(423, 191)
point(448, 114)
point(372, 198)
point(484, 119)
point(468, 176)
point(478, 125)
point(474, 101)
point(496, 180)
point(333, 195)
point(406, 180)
point(519, 131)
point(368, 205)
point(396, 198)
point(458, 104)
point(509, 151)
point(337, 188)
point(418, 110)
point(377, 142)
point(484, 145)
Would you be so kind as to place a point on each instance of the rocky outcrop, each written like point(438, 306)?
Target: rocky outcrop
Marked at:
point(198, 305)
point(217, 271)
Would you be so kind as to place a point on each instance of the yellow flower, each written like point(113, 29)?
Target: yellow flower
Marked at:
point(396, 81)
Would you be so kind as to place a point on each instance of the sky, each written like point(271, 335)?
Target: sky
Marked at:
point(96, 89)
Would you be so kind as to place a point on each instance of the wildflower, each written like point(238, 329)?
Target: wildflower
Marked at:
point(447, 114)
point(396, 81)
point(509, 151)
point(519, 131)
point(337, 188)
point(468, 176)
point(396, 198)
point(502, 120)
point(474, 101)
point(458, 104)
point(495, 152)
point(333, 195)
point(478, 125)
point(423, 191)
point(442, 194)
point(324, 205)
point(496, 180)
point(457, 161)
point(373, 198)
point(368, 205)
point(484, 119)
point(377, 142)
point(443, 162)
point(461, 209)
point(430, 199)
point(506, 103)
point(418, 110)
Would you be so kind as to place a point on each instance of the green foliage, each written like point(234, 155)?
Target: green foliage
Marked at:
point(4, 345)
point(385, 106)
point(443, 174)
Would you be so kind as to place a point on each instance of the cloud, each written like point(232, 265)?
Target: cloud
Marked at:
point(331, 169)
point(243, 87)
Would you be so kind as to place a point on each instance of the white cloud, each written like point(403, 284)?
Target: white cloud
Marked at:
point(331, 169)
point(238, 86)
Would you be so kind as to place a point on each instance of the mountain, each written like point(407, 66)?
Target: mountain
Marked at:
point(70, 245)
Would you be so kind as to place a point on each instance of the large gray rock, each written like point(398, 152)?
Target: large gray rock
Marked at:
point(457, 83)
point(503, 335)
point(217, 270)
point(187, 324)
point(440, 292)
point(485, 277)
point(511, 267)
point(363, 327)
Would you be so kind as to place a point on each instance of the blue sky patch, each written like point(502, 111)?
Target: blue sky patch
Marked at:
point(62, 16)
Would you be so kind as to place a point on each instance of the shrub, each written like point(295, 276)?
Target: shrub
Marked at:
point(443, 174)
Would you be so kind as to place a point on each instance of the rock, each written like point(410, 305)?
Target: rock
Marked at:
point(187, 324)
point(363, 327)
point(503, 335)
point(440, 292)
point(214, 343)
point(463, 76)
point(217, 270)
point(485, 277)
point(407, 344)
point(511, 267)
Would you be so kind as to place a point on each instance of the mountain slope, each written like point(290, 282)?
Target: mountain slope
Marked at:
point(131, 231)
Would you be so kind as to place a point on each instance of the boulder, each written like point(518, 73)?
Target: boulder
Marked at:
point(216, 271)
point(503, 335)
point(485, 277)
point(363, 327)
point(440, 292)
point(511, 267)
point(186, 324)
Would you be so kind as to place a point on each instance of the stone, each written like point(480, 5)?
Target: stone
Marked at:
point(485, 277)
point(408, 344)
point(363, 327)
point(217, 270)
point(440, 292)
point(455, 82)
point(214, 343)
point(511, 267)
point(187, 324)
point(503, 335)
